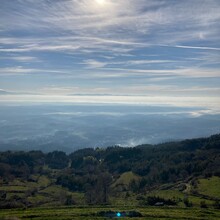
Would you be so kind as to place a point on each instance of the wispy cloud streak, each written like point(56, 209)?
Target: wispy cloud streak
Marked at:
point(193, 47)
point(141, 47)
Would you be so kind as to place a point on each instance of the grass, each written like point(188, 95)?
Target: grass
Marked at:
point(168, 194)
point(18, 189)
point(209, 187)
point(179, 196)
point(84, 213)
point(42, 192)
point(39, 199)
point(78, 197)
point(125, 179)
point(53, 190)
point(123, 200)
point(43, 181)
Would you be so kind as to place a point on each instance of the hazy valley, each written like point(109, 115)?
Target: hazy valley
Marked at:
point(51, 127)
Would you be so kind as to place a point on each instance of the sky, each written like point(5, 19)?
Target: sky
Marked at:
point(154, 52)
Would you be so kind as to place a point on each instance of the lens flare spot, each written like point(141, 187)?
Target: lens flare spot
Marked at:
point(118, 214)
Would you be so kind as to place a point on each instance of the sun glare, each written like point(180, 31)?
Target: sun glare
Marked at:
point(101, 2)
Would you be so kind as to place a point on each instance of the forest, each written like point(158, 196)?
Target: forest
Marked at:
point(168, 174)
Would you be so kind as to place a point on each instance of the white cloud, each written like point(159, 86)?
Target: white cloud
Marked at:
point(204, 102)
point(19, 70)
point(143, 21)
point(193, 47)
point(132, 90)
point(68, 44)
point(107, 43)
point(21, 58)
point(94, 64)
point(181, 72)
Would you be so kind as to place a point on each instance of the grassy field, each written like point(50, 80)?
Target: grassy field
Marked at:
point(210, 187)
point(125, 179)
point(42, 193)
point(86, 213)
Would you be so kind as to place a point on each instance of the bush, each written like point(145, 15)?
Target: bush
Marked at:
point(203, 204)
point(187, 203)
point(216, 205)
point(154, 200)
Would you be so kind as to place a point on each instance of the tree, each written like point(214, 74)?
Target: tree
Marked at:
point(98, 191)
point(57, 160)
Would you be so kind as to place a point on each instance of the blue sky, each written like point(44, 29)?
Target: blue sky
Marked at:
point(111, 51)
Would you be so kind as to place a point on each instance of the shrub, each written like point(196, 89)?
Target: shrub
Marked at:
point(203, 204)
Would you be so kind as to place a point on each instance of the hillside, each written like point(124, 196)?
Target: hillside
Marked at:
point(185, 173)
